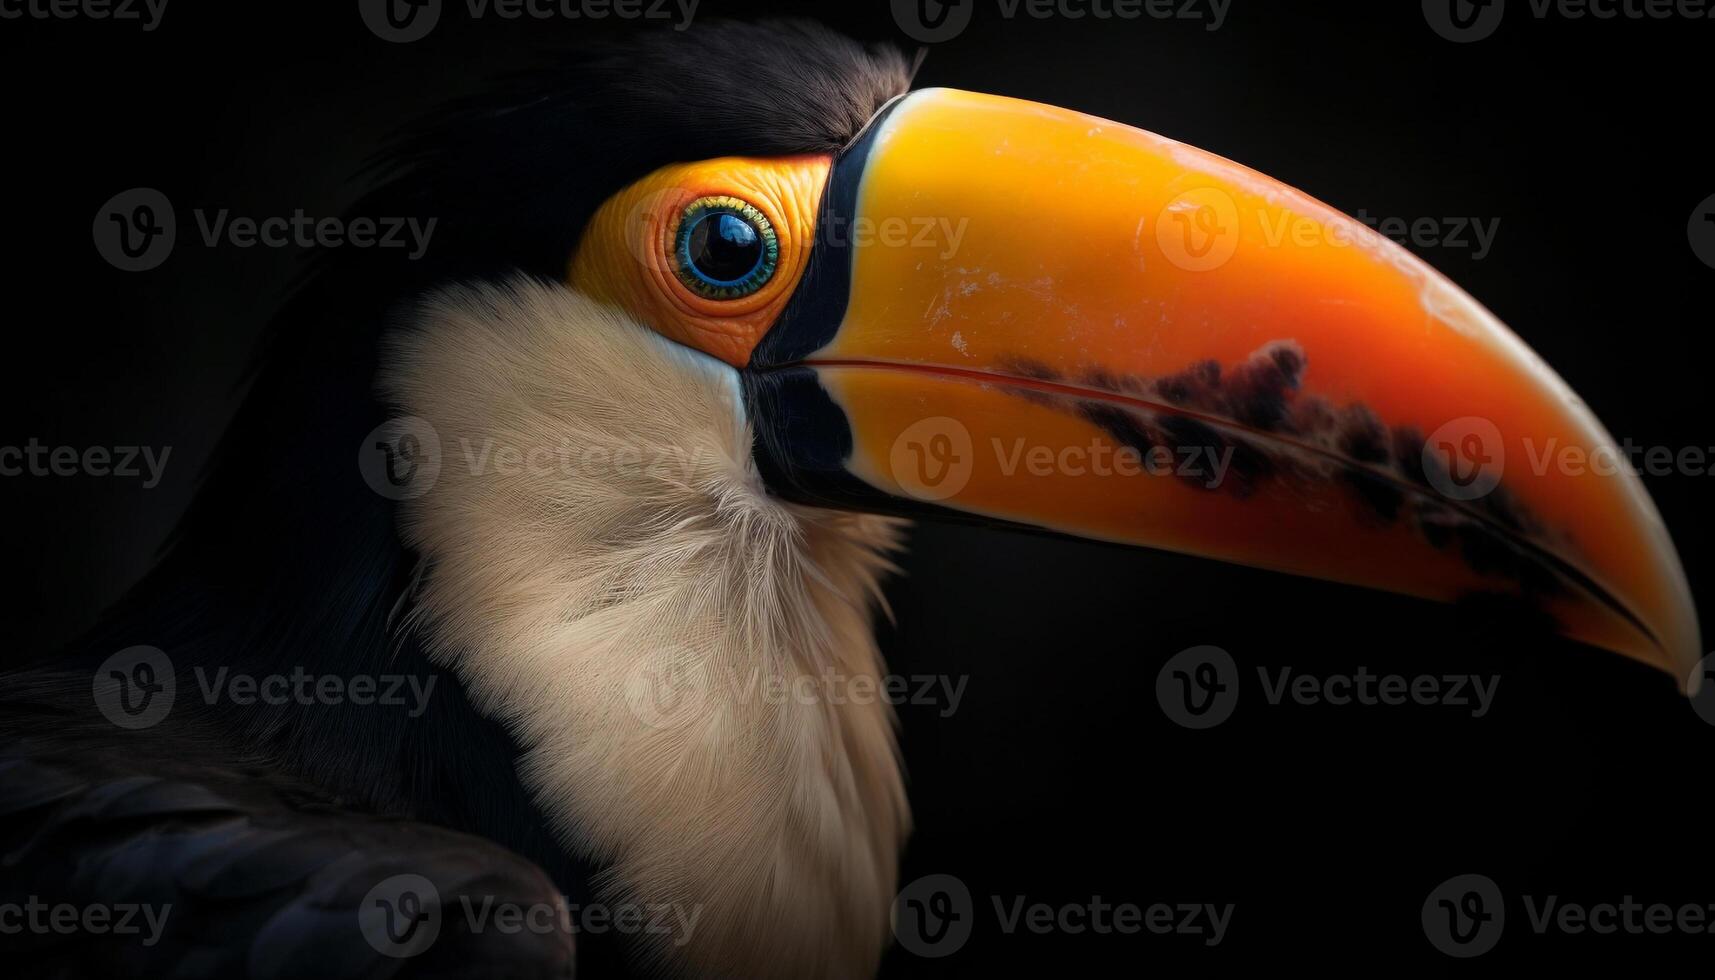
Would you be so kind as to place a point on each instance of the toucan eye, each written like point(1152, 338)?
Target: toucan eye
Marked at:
point(726, 248)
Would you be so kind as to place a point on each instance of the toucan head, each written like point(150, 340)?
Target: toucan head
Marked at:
point(998, 310)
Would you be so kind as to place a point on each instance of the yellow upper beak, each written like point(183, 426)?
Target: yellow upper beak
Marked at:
point(1064, 322)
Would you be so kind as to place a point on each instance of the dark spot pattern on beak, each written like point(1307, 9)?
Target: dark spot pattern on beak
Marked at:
point(1256, 394)
point(1273, 437)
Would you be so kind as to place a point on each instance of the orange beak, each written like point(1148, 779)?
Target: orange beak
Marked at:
point(1043, 318)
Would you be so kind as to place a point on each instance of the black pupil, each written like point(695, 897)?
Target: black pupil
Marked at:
point(724, 247)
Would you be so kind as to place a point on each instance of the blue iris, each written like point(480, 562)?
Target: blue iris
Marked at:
point(723, 249)
point(726, 249)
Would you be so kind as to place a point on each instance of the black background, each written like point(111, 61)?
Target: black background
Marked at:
point(1058, 778)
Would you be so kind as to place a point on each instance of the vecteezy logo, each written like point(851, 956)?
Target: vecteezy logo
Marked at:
point(1464, 916)
point(932, 21)
point(1464, 459)
point(1701, 231)
point(1199, 229)
point(1703, 679)
point(933, 458)
point(666, 691)
point(135, 687)
point(932, 916)
point(135, 229)
point(400, 21)
point(401, 459)
point(1198, 688)
point(401, 916)
point(1464, 21)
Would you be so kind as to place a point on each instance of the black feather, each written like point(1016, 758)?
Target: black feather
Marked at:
point(209, 866)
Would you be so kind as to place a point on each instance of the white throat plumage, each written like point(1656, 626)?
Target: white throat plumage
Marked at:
point(606, 575)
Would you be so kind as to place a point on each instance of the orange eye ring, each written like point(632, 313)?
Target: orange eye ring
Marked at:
point(630, 253)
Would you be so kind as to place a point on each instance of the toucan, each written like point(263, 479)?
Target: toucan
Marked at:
point(706, 319)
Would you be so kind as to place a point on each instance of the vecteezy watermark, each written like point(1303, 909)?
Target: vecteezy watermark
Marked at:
point(1549, 913)
point(667, 921)
point(933, 917)
point(300, 687)
point(933, 21)
point(403, 915)
point(669, 690)
point(1465, 916)
point(135, 231)
point(1099, 457)
point(486, 457)
point(42, 918)
point(939, 234)
point(933, 459)
point(1464, 21)
point(1467, 235)
point(1199, 688)
point(400, 459)
point(404, 458)
point(1472, 692)
point(1701, 231)
point(147, 13)
point(119, 462)
point(404, 21)
point(1201, 229)
point(136, 687)
point(1465, 459)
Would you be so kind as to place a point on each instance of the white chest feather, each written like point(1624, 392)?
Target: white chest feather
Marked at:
point(689, 663)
